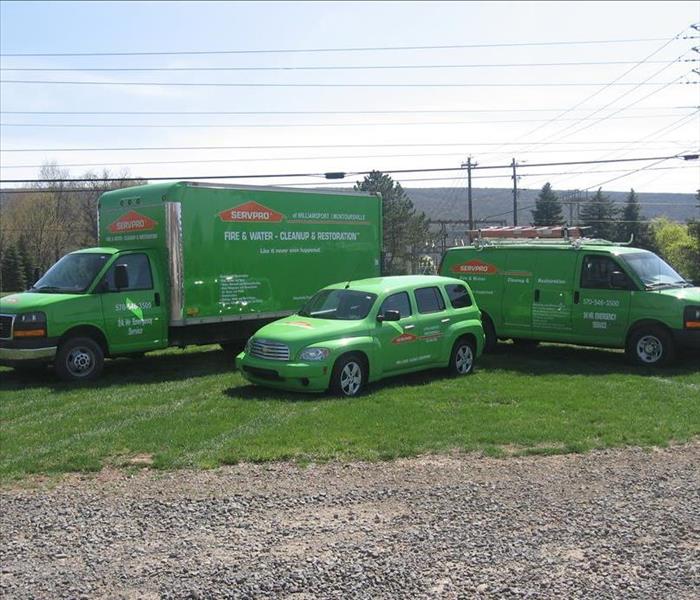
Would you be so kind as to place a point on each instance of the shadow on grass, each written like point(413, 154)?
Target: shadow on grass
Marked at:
point(149, 369)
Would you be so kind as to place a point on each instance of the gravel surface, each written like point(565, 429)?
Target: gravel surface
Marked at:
point(609, 524)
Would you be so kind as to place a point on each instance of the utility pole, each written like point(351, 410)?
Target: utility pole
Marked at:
point(515, 195)
point(469, 164)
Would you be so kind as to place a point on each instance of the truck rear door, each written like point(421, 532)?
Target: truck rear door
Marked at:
point(135, 316)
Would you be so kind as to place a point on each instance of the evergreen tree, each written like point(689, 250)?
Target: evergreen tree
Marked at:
point(599, 213)
point(25, 260)
point(405, 230)
point(12, 271)
point(547, 208)
point(631, 223)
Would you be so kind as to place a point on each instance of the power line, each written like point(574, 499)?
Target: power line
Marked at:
point(326, 175)
point(325, 85)
point(273, 125)
point(334, 67)
point(345, 49)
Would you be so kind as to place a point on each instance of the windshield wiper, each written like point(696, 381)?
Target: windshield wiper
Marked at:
point(670, 284)
point(48, 288)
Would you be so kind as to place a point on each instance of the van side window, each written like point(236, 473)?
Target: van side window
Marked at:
point(429, 300)
point(458, 295)
point(398, 302)
point(139, 271)
point(597, 273)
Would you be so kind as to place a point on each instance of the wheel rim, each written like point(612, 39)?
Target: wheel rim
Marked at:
point(649, 349)
point(80, 361)
point(464, 359)
point(351, 379)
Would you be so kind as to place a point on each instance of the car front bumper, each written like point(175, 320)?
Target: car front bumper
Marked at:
point(293, 376)
point(15, 353)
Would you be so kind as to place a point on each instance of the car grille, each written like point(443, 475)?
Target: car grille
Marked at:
point(269, 350)
point(5, 327)
point(263, 373)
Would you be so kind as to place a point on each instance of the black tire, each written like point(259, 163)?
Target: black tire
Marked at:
point(525, 343)
point(349, 376)
point(463, 357)
point(491, 340)
point(650, 346)
point(79, 359)
point(232, 348)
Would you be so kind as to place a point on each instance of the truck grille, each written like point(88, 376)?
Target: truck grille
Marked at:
point(269, 350)
point(5, 327)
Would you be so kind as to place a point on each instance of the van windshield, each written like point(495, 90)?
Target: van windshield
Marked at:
point(654, 272)
point(72, 274)
point(340, 305)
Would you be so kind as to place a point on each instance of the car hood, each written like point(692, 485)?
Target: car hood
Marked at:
point(690, 295)
point(27, 301)
point(297, 332)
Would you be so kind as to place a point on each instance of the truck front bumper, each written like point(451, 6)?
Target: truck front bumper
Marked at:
point(296, 377)
point(14, 353)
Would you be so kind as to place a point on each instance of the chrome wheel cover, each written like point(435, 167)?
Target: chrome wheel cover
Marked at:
point(351, 379)
point(650, 349)
point(464, 359)
point(80, 361)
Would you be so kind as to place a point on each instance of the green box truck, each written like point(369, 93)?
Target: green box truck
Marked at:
point(585, 292)
point(188, 263)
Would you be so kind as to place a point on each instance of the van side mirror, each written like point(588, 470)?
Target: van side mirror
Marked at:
point(619, 280)
point(389, 315)
point(121, 277)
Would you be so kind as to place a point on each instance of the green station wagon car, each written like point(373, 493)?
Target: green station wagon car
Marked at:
point(352, 333)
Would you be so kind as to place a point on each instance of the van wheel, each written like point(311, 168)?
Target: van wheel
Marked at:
point(650, 346)
point(463, 357)
point(490, 341)
point(79, 359)
point(349, 376)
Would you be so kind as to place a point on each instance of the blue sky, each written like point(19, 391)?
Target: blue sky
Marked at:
point(618, 122)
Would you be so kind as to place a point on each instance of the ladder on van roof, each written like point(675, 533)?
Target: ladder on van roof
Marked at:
point(559, 234)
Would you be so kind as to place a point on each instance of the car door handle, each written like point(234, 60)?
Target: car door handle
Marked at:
point(407, 327)
point(156, 299)
point(577, 297)
point(446, 320)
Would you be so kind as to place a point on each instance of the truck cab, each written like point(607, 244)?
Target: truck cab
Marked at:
point(91, 304)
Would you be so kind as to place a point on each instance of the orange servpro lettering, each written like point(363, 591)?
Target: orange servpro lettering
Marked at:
point(404, 338)
point(475, 267)
point(250, 212)
point(132, 221)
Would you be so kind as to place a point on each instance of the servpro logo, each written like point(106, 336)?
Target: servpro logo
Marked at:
point(404, 338)
point(250, 212)
point(132, 221)
point(477, 267)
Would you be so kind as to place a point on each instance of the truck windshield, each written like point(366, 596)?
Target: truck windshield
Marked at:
point(340, 305)
point(72, 274)
point(654, 272)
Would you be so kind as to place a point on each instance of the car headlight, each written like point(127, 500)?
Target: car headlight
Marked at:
point(314, 353)
point(246, 348)
point(32, 324)
point(691, 317)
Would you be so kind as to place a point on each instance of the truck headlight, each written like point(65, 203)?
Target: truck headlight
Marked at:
point(31, 324)
point(691, 317)
point(314, 354)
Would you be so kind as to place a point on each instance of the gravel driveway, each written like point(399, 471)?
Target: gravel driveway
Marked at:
point(610, 524)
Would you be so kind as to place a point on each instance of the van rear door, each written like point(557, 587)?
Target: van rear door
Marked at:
point(553, 293)
point(517, 293)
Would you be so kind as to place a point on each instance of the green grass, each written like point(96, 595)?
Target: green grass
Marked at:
point(190, 409)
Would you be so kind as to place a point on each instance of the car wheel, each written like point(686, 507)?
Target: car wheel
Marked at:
point(349, 376)
point(490, 338)
point(650, 346)
point(463, 357)
point(79, 359)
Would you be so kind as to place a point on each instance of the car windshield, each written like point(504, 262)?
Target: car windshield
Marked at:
point(340, 305)
point(653, 271)
point(72, 274)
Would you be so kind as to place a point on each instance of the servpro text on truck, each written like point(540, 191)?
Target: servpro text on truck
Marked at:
point(187, 263)
point(587, 292)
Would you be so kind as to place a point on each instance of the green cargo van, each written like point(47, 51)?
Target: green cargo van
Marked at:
point(187, 263)
point(584, 292)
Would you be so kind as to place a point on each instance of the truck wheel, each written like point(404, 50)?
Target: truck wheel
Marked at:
point(650, 346)
point(79, 359)
point(349, 376)
point(463, 357)
point(490, 341)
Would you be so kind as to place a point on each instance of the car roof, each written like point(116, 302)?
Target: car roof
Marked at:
point(381, 285)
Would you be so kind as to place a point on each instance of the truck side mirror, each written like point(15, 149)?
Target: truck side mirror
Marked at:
point(618, 280)
point(121, 277)
point(389, 315)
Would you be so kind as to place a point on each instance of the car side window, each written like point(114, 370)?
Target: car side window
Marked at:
point(398, 302)
point(429, 300)
point(458, 295)
point(139, 270)
point(597, 273)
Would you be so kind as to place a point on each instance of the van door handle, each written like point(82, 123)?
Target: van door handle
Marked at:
point(156, 299)
point(446, 320)
point(537, 295)
point(577, 297)
point(407, 327)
